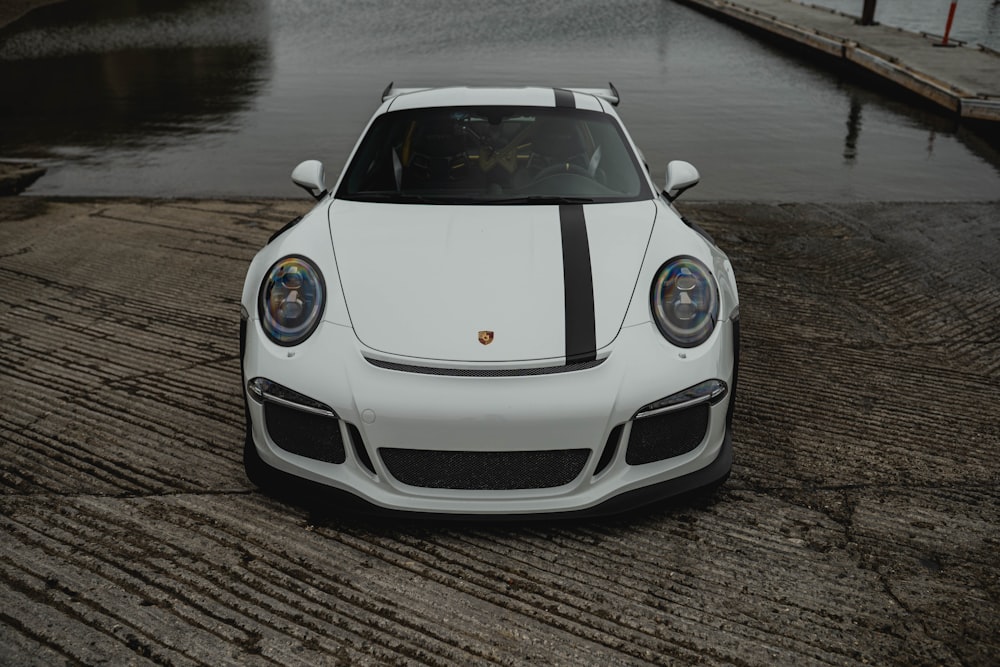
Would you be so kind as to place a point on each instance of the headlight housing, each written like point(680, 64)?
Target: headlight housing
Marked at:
point(291, 300)
point(685, 301)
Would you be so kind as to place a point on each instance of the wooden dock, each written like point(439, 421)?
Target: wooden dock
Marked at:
point(963, 79)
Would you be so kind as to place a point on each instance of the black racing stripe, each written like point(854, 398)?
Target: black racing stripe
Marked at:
point(565, 98)
point(578, 286)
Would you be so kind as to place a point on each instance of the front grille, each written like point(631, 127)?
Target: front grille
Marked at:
point(667, 435)
point(486, 372)
point(304, 433)
point(484, 471)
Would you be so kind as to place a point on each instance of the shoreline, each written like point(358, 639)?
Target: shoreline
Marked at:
point(14, 10)
point(16, 177)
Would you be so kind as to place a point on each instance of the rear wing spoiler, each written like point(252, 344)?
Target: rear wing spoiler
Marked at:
point(609, 94)
point(391, 92)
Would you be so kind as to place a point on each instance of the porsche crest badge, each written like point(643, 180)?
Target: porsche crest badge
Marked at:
point(485, 337)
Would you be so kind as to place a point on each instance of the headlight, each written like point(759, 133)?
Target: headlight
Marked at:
point(685, 301)
point(291, 300)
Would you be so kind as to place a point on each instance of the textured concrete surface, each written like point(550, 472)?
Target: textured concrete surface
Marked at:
point(861, 524)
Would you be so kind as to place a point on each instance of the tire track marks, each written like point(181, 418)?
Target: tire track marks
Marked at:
point(860, 525)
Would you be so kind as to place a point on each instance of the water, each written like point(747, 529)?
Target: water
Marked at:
point(224, 97)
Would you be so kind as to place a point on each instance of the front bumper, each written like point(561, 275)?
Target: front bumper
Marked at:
point(501, 428)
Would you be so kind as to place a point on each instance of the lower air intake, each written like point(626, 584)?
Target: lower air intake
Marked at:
point(484, 471)
point(305, 434)
point(667, 435)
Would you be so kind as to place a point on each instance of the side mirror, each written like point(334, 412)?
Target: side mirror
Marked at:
point(680, 176)
point(311, 177)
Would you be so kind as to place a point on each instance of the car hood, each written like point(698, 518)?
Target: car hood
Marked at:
point(487, 283)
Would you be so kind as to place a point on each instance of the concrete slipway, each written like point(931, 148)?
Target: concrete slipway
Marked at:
point(861, 524)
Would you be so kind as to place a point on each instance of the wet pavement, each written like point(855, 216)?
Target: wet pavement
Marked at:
point(860, 526)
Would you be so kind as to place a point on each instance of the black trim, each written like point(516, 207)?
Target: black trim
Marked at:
point(610, 449)
point(578, 286)
point(243, 377)
point(359, 447)
point(243, 343)
point(486, 372)
point(736, 374)
point(248, 436)
point(565, 98)
point(698, 228)
point(285, 228)
point(707, 479)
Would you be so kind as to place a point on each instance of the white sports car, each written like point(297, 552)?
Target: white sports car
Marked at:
point(494, 311)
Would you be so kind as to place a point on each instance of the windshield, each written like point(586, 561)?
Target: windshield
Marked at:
point(494, 155)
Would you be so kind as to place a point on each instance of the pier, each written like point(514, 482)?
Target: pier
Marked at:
point(963, 79)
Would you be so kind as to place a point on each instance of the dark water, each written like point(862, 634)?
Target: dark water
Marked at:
point(224, 97)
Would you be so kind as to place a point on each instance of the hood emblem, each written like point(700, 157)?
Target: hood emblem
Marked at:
point(485, 337)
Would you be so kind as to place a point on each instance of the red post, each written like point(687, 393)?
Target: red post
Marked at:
point(947, 27)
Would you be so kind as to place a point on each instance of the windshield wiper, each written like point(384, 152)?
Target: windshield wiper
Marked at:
point(391, 197)
point(538, 199)
point(408, 198)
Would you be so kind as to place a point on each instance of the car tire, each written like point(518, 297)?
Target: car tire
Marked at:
point(259, 473)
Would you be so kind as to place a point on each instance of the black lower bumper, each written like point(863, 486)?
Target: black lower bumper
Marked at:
point(336, 503)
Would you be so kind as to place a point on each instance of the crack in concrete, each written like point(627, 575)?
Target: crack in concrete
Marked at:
point(865, 557)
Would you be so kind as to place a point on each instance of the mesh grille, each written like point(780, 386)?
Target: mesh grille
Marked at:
point(485, 373)
point(667, 435)
point(305, 434)
point(484, 471)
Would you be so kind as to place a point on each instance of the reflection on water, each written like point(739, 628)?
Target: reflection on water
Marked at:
point(853, 131)
point(103, 26)
point(84, 76)
point(224, 97)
